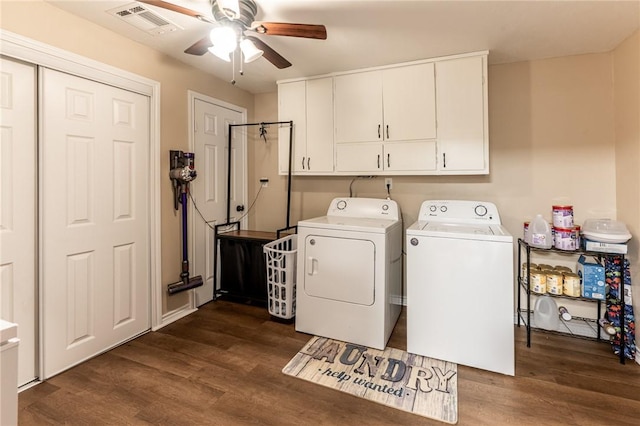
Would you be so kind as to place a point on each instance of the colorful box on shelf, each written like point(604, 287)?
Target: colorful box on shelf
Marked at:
point(616, 248)
point(591, 274)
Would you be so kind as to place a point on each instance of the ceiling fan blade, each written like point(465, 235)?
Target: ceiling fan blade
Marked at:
point(175, 8)
point(269, 54)
point(291, 30)
point(200, 47)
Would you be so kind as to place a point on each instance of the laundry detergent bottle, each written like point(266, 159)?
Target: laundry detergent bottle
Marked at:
point(540, 233)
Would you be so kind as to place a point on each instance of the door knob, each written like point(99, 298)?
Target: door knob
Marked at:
point(240, 208)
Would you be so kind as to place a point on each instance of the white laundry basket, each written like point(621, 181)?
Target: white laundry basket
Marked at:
point(281, 276)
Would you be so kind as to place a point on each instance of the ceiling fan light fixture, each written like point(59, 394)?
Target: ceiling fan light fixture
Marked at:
point(250, 51)
point(222, 54)
point(224, 39)
point(230, 8)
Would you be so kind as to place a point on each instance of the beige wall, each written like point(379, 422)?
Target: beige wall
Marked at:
point(551, 141)
point(558, 130)
point(626, 65)
point(45, 23)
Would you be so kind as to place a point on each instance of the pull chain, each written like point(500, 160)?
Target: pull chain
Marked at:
point(233, 67)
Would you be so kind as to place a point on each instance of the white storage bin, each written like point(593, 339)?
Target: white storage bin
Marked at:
point(281, 276)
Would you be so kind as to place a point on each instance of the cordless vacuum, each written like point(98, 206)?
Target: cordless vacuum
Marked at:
point(182, 172)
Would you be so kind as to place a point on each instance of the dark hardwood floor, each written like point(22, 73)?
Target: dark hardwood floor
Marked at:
point(222, 366)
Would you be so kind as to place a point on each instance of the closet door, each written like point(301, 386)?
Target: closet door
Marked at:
point(95, 226)
point(17, 208)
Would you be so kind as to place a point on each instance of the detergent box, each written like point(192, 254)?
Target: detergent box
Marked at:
point(591, 275)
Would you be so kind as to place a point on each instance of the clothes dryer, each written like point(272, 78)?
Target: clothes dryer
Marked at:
point(349, 272)
point(460, 285)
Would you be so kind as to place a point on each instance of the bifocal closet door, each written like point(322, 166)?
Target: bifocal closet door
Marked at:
point(95, 226)
point(17, 208)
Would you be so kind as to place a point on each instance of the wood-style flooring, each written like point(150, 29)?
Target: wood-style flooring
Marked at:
point(222, 366)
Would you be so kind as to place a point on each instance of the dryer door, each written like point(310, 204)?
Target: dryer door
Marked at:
point(341, 269)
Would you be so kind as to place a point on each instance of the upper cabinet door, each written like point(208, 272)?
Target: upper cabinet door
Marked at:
point(319, 125)
point(358, 107)
point(409, 103)
point(462, 115)
point(292, 107)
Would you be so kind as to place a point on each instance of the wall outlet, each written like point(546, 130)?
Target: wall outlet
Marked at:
point(264, 182)
point(388, 183)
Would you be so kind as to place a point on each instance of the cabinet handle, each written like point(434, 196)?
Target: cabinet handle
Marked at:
point(444, 160)
point(387, 131)
point(308, 163)
point(302, 163)
point(378, 160)
point(378, 131)
point(388, 160)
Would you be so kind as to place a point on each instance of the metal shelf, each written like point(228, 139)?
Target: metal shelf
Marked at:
point(591, 323)
point(524, 314)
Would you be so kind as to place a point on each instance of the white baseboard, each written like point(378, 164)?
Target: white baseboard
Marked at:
point(175, 315)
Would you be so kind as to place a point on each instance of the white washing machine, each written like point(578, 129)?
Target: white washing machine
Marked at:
point(460, 285)
point(349, 272)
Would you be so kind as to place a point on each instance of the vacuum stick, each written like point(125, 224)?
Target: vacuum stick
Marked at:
point(182, 177)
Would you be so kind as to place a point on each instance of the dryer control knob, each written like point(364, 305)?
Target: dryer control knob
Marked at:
point(414, 241)
point(481, 210)
point(342, 204)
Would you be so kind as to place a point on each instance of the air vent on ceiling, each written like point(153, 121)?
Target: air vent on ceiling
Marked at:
point(144, 19)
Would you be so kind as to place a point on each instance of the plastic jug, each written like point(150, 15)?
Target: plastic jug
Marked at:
point(540, 233)
point(545, 313)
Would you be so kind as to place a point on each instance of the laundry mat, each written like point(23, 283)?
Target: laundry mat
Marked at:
point(408, 382)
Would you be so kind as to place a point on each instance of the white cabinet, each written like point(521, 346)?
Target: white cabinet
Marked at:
point(358, 107)
point(309, 104)
point(384, 158)
point(392, 113)
point(422, 118)
point(291, 107)
point(409, 103)
point(462, 116)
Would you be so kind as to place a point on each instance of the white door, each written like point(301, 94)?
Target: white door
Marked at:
point(17, 208)
point(95, 218)
point(340, 269)
point(292, 107)
point(359, 157)
point(209, 190)
point(409, 103)
point(319, 97)
point(358, 107)
point(461, 114)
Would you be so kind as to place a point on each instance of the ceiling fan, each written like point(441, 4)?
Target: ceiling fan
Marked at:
point(234, 18)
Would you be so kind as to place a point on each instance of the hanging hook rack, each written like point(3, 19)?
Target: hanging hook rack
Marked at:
point(263, 132)
point(237, 223)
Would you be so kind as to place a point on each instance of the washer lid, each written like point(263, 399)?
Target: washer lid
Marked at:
point(461, 231)
point(349, 224)
point(458, 228)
